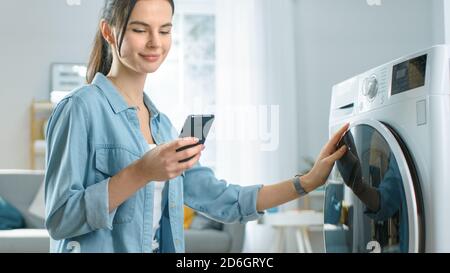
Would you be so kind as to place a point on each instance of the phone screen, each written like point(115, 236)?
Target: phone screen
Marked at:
point(196, 126)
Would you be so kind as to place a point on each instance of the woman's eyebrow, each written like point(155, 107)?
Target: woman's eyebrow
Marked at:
point(147, 25)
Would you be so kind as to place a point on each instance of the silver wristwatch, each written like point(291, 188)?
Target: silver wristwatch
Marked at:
point(298, 186)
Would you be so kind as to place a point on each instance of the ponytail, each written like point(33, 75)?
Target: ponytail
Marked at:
point(101, 58)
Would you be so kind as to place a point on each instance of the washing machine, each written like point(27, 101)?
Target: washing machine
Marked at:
point(391, 190)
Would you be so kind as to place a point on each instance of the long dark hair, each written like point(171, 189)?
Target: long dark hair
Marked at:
point(117, 14)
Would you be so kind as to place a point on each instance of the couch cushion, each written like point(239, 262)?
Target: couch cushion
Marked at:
point(24, 241)
point(207, 241)
point(202, 222)
point(189, 215)
point(19, 188)
point(10, 217)
point(37, 207)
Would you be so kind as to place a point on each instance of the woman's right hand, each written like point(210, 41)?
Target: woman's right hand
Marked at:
point(329, 154)
point(162, 162)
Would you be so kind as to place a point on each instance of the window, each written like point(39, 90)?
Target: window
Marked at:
point(185, 82)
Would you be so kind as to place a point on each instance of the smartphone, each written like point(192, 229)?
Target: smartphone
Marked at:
point(196, 126)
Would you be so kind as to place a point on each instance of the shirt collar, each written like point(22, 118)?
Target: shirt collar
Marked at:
point(116, 100)
point(151, 106)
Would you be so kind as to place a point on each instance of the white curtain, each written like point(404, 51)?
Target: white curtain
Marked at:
point(257, 113)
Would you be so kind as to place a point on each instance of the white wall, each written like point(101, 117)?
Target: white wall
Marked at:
point(34, 34)
point(336, 40)
point(441, 21)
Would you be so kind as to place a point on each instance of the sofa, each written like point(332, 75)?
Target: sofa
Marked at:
point(20, 188)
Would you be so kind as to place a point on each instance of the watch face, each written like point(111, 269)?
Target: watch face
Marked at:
point(298, 187)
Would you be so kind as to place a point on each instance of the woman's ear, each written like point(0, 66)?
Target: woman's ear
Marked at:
point(107, 32)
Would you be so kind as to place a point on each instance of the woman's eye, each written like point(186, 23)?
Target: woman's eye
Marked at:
point(165, 32)
point(138, 30)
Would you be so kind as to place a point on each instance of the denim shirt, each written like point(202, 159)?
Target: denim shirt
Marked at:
point(93, 134)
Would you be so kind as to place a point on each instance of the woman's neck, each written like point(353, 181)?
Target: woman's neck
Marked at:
point(129, 83)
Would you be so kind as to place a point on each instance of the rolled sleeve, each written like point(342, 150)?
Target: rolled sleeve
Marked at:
point(248, 197)
point(223, 202)
point(97, 206)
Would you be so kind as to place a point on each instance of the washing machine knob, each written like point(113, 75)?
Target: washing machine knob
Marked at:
point(370, 88)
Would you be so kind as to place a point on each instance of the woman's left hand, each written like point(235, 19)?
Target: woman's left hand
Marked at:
point(318, 175)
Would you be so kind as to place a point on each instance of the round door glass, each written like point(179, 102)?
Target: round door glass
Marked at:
point(365, 205)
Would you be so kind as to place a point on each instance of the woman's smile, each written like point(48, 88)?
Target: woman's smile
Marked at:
point(151, 57)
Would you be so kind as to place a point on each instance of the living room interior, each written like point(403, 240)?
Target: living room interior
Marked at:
point(264, 68)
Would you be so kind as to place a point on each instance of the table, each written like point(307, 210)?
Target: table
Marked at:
point(301, 220)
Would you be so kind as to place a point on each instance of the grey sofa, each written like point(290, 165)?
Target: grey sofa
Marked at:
point(19, 188)
point(228, 240)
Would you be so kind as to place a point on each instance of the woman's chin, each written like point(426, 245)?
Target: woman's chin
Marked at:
point(145, 70)
point(150, 69)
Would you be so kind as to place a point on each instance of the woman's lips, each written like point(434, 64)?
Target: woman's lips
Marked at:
point(151, 58)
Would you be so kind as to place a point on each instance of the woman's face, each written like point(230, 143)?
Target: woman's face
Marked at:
point(148, 37)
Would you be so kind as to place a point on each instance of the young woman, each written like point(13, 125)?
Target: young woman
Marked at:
point(113, 178)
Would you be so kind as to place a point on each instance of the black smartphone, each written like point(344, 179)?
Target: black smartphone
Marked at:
point(196, 126)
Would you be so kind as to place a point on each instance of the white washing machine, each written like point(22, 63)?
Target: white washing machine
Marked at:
point(391, 191)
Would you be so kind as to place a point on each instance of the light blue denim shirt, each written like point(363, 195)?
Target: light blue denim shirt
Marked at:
point(92, 134)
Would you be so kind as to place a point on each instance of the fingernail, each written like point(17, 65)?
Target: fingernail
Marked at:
point(195, 139)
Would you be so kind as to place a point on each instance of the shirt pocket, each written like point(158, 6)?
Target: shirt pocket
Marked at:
point(110, 160)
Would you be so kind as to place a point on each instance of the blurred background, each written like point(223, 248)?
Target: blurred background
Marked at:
point(265, 68)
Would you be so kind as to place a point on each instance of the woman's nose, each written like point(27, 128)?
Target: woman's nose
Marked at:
point(154, 41)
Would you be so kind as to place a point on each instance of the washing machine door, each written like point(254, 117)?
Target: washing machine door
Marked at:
point(373, 201)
